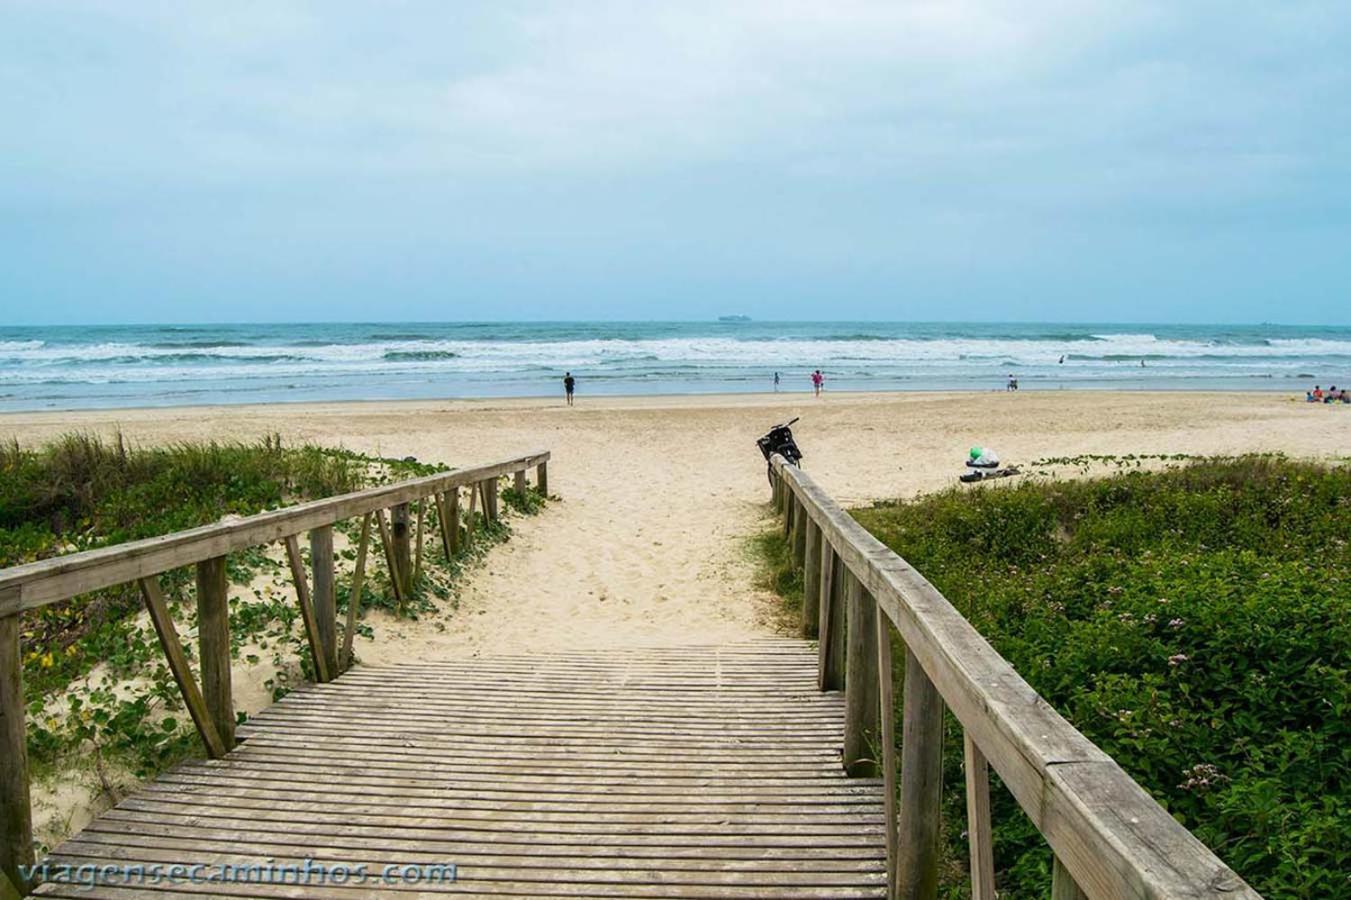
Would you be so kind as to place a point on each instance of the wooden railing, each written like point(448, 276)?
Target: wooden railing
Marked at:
point(211, 705)
point(1111, 840)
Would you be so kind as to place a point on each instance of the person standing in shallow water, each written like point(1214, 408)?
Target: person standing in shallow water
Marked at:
point(569, 384)
point(817, 380)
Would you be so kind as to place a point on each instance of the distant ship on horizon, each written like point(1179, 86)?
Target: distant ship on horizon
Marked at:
point(736, 318)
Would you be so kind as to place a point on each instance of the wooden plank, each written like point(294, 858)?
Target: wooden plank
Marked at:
point(47, 581)
point(213, 642)
point(797, 535)
point(824, 636)
point(1062, 883)
point(16, 811)
point(887, 701)
point(860, 684)
point(978, 826)
point(443, 523)
point(1021, 736)
point(390, 564)
point(835, 606)
point(917, 850)
point(178, 665)
point(399, 542)
point(324, 598)
point(417, 548)
point(354, 595)
point(302, 585)
point(811, 581)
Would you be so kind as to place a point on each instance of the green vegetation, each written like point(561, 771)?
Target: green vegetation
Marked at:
point(98, 689)
point(1194, 623)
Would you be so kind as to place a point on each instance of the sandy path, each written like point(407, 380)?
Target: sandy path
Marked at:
point(659, 494)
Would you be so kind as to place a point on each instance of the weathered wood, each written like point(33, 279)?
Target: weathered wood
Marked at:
point(832, 622)
point(399, 541)
point(917, 850)
point(489, 486)
point(542, 479)
point(47, 581)
point(861, 744)
point(525, 811)
point(16, 811)
point(978, 825)
point(474, 491)
point(354, 595)
point(417, 551)
point(799, 537)
point(520, 484)
point(789, 510)
point(178, 665)
point(887, 701)
point(1063, 886)
point(307, 618)
point(811, 581)
point(213, 642)
point(1038, 755)
point(452, 502)
point(325, 597)
point(443, 524)
point(388, 546)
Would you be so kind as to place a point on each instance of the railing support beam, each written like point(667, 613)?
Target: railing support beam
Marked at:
point(811, 581)
point(542, 479)
point(325, 598)
point(16, 811)
point(917, 850)
point(861, 746)
point(400, 538)
point(213, 643)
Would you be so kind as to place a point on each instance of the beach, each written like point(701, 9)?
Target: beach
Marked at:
point(659, 496)
point(649, 543)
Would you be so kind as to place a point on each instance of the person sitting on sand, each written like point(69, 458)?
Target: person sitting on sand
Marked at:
point(1317, 393)
point(1332, 395)
point(1308, 397)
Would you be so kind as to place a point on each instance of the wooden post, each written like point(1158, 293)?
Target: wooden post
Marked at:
point(823, 590)
point(832, 620)
point(325, 597)
point(921, 785)
point(811, 580)
point(978, 822)
point(302, 583)
point(178, 665)
point(520, 484)
point(399, 543)
point(542, 479)
point(16, 810)
point(453, 518)
point(789, 509)
point(417, 551)
point(354, 595)
point(801, 521)
point(443, 523)
point(490, 499)
point(860, 683)
point(390, 563)
point(1063, 885)
point(887, 700)
point(213, 641)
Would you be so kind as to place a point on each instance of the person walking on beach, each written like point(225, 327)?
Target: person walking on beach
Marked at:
point(776, 382)
point(817, 381)
point(569, 384)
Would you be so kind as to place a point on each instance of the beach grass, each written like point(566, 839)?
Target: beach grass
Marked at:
point(1193, 622)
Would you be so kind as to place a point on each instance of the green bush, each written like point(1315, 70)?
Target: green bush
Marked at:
point(1193, 623)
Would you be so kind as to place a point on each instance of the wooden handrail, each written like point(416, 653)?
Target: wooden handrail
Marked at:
point(62, 577)
point(211, 705)
point(1108, 834)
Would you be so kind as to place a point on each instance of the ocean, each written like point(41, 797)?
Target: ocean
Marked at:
point(70, 367)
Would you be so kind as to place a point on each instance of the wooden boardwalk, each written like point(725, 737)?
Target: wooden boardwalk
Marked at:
point(690, 772)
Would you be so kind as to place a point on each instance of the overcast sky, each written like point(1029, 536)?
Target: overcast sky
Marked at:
point(1023, 160)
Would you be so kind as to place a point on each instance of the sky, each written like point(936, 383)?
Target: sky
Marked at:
point(1032, 160)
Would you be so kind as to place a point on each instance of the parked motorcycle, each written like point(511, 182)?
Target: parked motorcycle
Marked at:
point(779, 439)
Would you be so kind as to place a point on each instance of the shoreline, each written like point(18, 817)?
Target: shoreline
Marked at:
point(713, 400)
